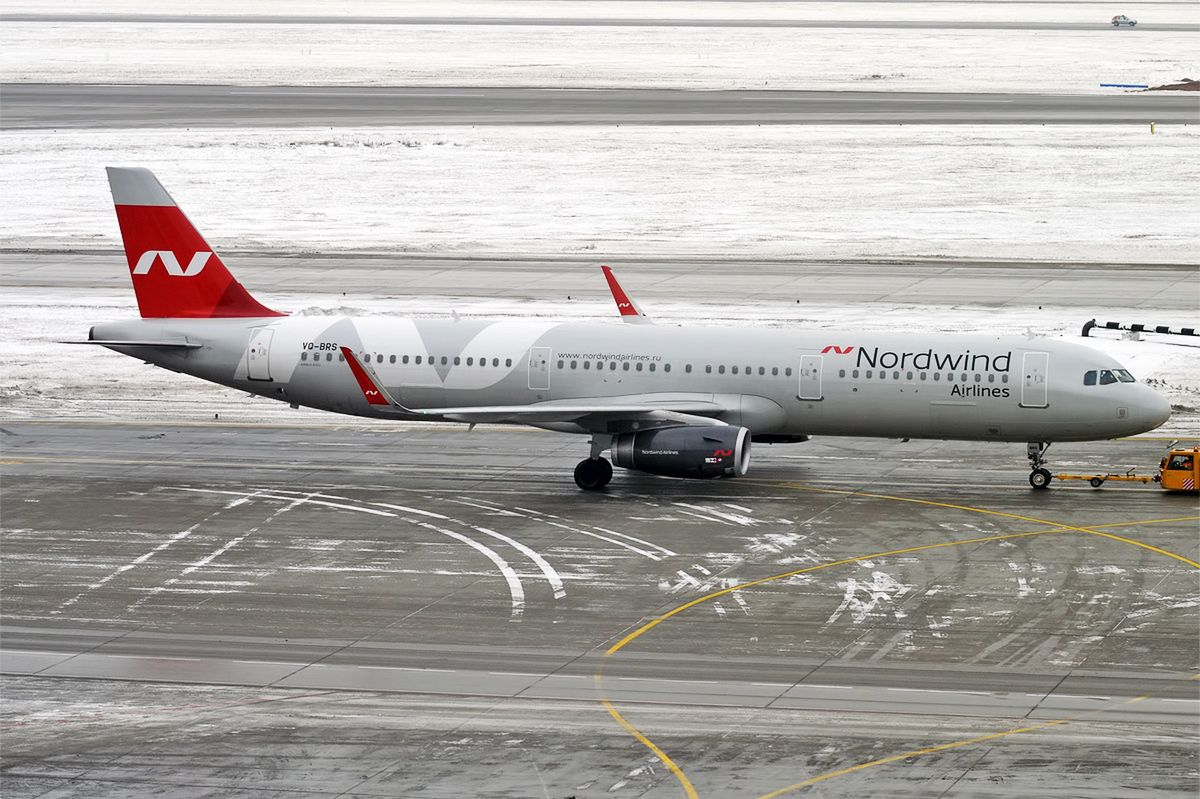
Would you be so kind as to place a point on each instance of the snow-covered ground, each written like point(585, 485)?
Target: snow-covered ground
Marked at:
point(1074, 62)
point(42, 378)
point(942, 10)
point(1052, 193)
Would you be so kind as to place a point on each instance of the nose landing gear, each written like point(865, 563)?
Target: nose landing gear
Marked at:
point(1039, 476)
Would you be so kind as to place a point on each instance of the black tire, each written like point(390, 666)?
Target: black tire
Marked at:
point(593, 474)
point(1040, 478)
point(1096, 482)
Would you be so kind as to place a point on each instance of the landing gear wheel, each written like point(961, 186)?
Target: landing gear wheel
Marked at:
point(1040, 478)
point(1096, 482)
point(593, 474)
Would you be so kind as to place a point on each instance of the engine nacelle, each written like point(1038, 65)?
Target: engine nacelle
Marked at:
point(697, 452)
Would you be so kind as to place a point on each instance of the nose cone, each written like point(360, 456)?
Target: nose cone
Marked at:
point(1154, 410)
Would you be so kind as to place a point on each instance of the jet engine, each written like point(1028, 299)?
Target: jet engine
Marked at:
point(697, 452)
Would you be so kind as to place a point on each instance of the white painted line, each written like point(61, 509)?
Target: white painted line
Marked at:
point(616, 541)
point(664, 550)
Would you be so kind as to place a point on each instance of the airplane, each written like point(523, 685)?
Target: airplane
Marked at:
point(666, 399)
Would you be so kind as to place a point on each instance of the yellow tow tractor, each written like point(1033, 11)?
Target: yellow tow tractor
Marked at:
point(1179, 470)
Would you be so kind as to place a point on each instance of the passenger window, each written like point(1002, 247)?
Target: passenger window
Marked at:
point(470, 361)
point(1107, 377)
point(638, 366)
point(560, 364)
point(922, 375)
point(688, 368)
point(666, 367)
point(404, 359)
point(991, 378)
point(762, 370)
point(391, 359)
point(1003, 378)
point(841, 372)
point(508, 361)
point(495, 361)
point(908, 376)
point(774, 371)
point(651, 367)
point(978, 378)
point(444, 360)
point(457, 360)
point(788, 371)
point(625, 366)
point(869, 374)
point(341, 358)
point(574, 364)
point(937, 376)
point(587, 364)
point(720, 370)
point(895, 375)
point(950, 377)
point(304, 356)
point(379, 358)
point(749, 371)
point(854, 373)
point(612, 366)
point(733, 369)
point(708, 369)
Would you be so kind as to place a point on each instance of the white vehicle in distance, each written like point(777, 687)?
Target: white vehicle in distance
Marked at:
point(1121, 19)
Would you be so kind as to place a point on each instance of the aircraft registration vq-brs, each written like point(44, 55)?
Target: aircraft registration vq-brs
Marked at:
point(670, 400)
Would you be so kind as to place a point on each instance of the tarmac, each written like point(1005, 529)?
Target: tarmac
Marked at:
point(30, 106)
point(348, 609)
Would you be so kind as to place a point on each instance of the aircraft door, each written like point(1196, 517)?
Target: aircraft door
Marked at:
point(1034, 376)
point(810, 377)
point(258, 354)
point(539, 368)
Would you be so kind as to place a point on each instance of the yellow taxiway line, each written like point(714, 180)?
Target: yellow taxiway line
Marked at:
point(686, 784)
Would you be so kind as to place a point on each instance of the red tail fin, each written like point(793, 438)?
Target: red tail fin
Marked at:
point(175, 273)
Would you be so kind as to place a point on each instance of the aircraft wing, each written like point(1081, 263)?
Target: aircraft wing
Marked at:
point(600, 413)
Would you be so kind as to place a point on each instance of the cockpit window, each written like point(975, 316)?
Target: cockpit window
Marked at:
point(1124, 376)
point(1107, 377)
point(1089, 378)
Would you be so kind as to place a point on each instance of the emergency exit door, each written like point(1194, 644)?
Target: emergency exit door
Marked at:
point(1034, 389)
point(539, 368)
point(810, 377)
point(258, 354)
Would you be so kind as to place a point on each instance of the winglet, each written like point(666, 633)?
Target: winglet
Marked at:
point(373, 391)
point(630, 312)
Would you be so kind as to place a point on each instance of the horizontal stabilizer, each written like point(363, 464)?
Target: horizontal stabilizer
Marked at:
point(168, 345)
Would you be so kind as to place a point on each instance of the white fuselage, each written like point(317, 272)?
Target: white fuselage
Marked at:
point(777, 383)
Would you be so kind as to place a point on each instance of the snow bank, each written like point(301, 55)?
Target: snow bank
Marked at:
point(1023, 192)
point(843, 59)
point(960, 10)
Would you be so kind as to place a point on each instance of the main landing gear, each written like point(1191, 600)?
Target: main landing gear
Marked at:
point(595, 472)
point(1040, 476)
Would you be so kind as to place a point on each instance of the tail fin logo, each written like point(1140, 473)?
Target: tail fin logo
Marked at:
point(171, 263)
